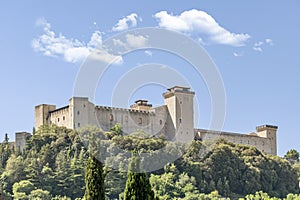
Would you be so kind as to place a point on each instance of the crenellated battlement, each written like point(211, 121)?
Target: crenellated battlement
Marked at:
point(150, 112)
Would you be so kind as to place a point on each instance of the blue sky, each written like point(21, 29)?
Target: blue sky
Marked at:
point(255, 45)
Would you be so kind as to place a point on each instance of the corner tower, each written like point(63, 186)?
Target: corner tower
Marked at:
point(269, 132)
point(180, 103)
point(41, 114)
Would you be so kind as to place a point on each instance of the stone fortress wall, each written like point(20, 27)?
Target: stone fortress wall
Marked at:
point(175, 117)
point(264, 139)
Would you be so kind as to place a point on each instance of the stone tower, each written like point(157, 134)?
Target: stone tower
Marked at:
point(180, 103)
point(79, 111)
point(21, 138)
point(269, 131)
point(82, 112)
point(41, 113)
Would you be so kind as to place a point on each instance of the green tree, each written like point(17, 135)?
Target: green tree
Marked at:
point(5, 151)
point(137, 185)
point(116, 130)
point(293, 197)
point(94, 178)
point(292, 156)
point(21, 188)
point(39, 194)
point(296, 166)
point(14, 172)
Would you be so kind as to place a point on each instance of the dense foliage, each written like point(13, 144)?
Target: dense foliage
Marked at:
point(236, 170)
point(54, 161)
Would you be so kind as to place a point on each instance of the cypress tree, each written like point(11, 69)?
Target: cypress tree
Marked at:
point(94, 178)
point(137, 186)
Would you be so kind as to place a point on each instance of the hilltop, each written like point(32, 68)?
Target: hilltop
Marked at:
point(53, 165)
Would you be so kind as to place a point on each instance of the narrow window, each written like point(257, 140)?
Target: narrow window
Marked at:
point(160, 122)
point(64, 118)
point(140, 121)
point(111, 117)
point(180, 120)
point(78, 112)
point(57, 119)
point(78, 124)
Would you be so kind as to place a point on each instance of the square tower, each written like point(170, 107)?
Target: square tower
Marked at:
point(180, 103)
point(41, 114)
point(269, 132)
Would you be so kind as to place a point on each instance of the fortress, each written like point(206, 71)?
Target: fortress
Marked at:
point(175, 117)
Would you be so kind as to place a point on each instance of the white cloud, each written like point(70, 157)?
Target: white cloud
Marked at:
point(136, 41)
point(238, 54)
point(257, 48)
point(106, 57)
point(131, 41)
point(96, 40)
point(199, 22)
point(269, 42)
point(76, 54)
point(258, 44)
point(129, 21)
point(72, 50)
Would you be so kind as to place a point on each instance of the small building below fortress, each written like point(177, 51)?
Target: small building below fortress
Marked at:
point(173, 119)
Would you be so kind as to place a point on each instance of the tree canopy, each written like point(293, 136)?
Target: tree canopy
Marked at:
point(53, 166)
